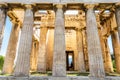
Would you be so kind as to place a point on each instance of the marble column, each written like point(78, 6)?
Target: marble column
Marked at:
point(59, 56)
point(11, 49)
point(85, 49)
point(94, 48)
point(2, 23)
point(105, 52)
point(41, 64)
point(102, 45)
point(23, 60)
point(81, 61)
point(116, 48)
point(108, 60)
point(117, 14)
point(34, 55)
point(106, 56)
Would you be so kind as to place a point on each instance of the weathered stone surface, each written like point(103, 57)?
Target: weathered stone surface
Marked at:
point(60, 68)
point(94, 47)
point(50, 45)
point(60, 1)
point(34, 55)
point(11, 50)
point(59, 57)
point(85, 49)
point(112, 78)
point(41, 64)
point(23, 60)
point(117, 15)
point(39, 78)
point(108, 60)
point(3, 78)
point(71, 38)
point(81, 64)
point(108, 66)
point(2, 23)
point(116, 48)
point(18, 78)
point(58, 78)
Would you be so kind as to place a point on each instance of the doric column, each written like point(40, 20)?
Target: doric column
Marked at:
point(34, 55)
point(81, 61)
point(106, 55)
point(85, 50)
point(102, 46)
point(117, 14)
point(2, 23)
point(108, 60)
point(59, 57)
point(50, 47)
point(116, 48)
point(94, 47)
point(41, 64)
point(23, 60)
point(12, 48)
point(105, 52)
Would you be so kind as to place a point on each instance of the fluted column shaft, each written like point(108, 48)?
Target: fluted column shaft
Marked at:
point(116, 48)
point(108, 60)
point(34, 55)
point(41, 64)
point(59, 57)
point(2, 23)
point(105, 53)
point(94, 47)
point(24, 50)
point(11, 49)
point(117, 14)
point(81, 61)
point(85, 50)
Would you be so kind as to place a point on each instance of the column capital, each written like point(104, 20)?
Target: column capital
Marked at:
point(59, 6)
point(28, 6)
point(16, 21)
point(115, 7)
point(117, 4)
point(3, 5)
point(90, 6)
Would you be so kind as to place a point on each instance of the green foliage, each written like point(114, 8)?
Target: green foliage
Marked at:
point(1, 62)
point(114, 66)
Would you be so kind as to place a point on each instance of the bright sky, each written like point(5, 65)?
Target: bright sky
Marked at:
point(7, 31)
point(8, 27)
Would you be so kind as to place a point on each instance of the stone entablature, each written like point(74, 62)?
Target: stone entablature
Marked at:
point(59, 1)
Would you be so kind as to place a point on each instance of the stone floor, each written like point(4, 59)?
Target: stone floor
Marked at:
point(55, 78)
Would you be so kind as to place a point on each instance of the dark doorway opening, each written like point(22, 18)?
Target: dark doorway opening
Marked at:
point(69, 60)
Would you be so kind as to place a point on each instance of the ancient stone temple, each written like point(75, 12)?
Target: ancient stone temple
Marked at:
point(45, 38)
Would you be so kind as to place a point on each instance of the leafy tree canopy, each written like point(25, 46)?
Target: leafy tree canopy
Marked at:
point(1, 62)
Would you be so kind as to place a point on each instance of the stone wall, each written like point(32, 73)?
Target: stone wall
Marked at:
point(71, 45)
